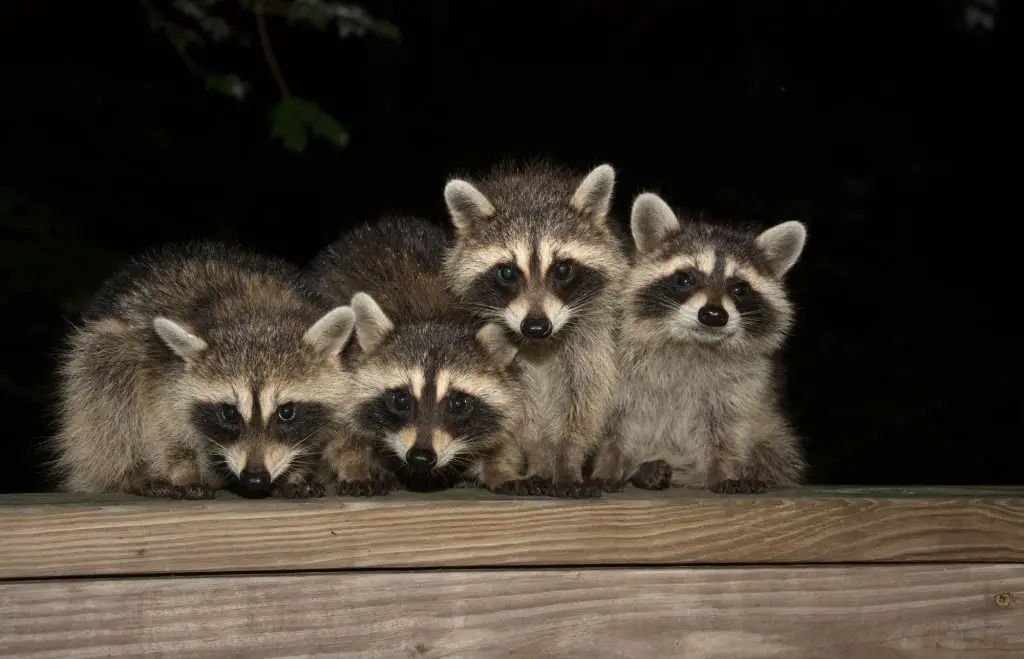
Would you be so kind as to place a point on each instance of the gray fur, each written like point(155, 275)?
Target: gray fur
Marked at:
point(184, 325)
point(704, 400)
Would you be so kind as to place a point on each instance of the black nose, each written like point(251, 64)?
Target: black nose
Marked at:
point(254, 480)
point(421, 459)
point(713, 315)
point(535, 327)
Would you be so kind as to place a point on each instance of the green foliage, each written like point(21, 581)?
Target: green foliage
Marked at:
point(194, 24)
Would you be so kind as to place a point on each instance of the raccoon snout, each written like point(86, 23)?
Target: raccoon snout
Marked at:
point(421, 459)
point(713, 315)
point(535, 327)
point(254, 480)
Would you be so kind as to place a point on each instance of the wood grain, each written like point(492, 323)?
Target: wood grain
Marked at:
point(54, 536)
point(866, 612)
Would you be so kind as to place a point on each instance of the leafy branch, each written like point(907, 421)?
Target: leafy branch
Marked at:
point(293, 118)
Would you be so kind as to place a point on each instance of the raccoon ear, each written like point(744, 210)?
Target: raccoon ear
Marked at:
point(492, 339)
point(372, 324)
point(331, 332)
point(783, 244)
point(466, 204)
point(651, 221)
point(184, 343)
point(594, 195)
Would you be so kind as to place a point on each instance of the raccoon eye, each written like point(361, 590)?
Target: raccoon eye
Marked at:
point(685, 280)
point(564, 271)
point(506, 273)
point(399, 401)
point(228, 413)
point(740, 289)
point(458, 403)
point(286, 412)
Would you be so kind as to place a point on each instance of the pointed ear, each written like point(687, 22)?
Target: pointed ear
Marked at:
point(593, 197)
point(184, 343)
point(782, 245)
point(371, 323)
point(331, 332)
point(492, 339)
point(466, 204)
point(651, 221)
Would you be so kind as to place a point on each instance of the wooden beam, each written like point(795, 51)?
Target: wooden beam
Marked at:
point(851, 612)
point(59, 536)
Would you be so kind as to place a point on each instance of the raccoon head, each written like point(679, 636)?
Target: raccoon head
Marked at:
point(702, 283)
point(434, 396)
point(534, 249)
point(260, 393)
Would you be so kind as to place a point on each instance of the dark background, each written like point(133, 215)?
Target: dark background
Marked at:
point(884, 126)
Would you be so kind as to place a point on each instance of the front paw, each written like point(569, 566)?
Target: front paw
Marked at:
point(534, 486)
point(609, 485)
point(164, 490)
point(365, 488)
point(303, 490)
point(654, 475)
point(739, 486)
point(576, 490)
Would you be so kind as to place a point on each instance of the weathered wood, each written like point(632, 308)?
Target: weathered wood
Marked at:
point(56, 536)
point(858, 612)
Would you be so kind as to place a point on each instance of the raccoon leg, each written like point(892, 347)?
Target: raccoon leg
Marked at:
point(298, 485)
point(500, 474)
point(352, 470)
point(568, 482)
point(776, 461)
point(726, 477)
point(178, 475)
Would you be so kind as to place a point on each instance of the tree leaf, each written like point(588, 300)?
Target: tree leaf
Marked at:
point(288, 125)
point(228, 84)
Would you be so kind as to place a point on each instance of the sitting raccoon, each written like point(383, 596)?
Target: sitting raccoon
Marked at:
point(434, 396)
point(200, 367)
point(706, 315)
point(536, 252)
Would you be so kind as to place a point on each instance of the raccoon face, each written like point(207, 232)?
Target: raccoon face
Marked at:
point(261, 397)
point(533, 253)
point(708, 284)
point(433, 396)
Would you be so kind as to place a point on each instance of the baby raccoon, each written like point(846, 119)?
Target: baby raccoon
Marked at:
point(434, 395)
point(536, 251)
point(706, 315)
point(198, 367)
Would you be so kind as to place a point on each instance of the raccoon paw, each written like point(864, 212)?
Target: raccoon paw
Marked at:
point(739, 486)
point(655, 475)
point(609, 484)
point(366, 488)
point(524, 487)
point(164, 490)
point(577, 490)
point(304, 490)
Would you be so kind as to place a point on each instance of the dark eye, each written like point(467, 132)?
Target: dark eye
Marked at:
point(564, 271)
point(458, 403)
point(685, 280)
point(286, 412)
point(506, 273)
point(228, 413)
point(740, 289)
point(399, 401)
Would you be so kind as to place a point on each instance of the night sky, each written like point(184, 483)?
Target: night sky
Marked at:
point(886, 131)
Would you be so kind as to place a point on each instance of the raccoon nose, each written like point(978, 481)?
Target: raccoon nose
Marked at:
point(254, 480)
point(713, 315)
point(421, 459)
point(535, 327)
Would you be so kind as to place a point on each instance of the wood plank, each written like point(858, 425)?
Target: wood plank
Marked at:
point(834, 612)
point(56, 536)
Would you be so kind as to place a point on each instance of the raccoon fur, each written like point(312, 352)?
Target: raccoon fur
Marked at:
point(536, 251)
point(197, 367)
point(706, 315)
point(435, 396)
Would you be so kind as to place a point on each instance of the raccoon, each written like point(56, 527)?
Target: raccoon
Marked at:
point(706, 315)
point(200, 366)
point(435, 395)
point(536, 251)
